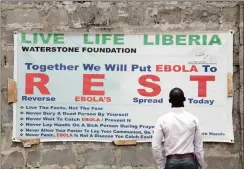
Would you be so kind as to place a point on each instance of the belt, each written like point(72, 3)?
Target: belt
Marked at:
point(191, 155)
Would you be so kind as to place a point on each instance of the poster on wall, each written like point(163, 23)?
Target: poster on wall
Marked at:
point(105, 87)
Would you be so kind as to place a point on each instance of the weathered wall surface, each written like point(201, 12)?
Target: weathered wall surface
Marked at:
point(131, 17)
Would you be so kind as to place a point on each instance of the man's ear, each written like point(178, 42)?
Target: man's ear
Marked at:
point(170, 100)
point(184, 99)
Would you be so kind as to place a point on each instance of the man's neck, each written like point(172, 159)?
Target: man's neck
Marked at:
point(178, 106)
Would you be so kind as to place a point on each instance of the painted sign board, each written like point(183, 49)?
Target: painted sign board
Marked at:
point(105, 87)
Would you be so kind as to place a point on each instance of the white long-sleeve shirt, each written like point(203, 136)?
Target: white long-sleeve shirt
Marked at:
point(179, 130)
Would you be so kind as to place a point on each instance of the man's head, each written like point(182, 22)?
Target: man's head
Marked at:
point(176, 97)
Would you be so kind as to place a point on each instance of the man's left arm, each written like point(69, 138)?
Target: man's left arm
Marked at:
point(157, 146)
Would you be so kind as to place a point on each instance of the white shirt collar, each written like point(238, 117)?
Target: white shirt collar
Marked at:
point(177, 109)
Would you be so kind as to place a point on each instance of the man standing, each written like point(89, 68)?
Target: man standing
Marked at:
point(183, 146)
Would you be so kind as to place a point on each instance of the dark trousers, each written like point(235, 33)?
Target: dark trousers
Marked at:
point(181, 163)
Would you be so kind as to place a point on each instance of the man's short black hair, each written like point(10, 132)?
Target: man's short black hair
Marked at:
point(176, 95)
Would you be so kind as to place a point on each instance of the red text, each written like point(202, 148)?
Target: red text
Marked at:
point(175, 68)
point(30, 83)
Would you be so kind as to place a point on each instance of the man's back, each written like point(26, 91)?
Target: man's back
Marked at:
point(183, 146)
point(179, 128)
point(182, 137)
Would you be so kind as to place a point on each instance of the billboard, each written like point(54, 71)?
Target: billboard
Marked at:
point(107, 86)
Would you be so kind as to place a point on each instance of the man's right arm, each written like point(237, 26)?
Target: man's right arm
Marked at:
point(157, 146)
point(198, 145)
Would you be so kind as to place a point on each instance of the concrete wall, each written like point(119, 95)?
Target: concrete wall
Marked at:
point(125, 17)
